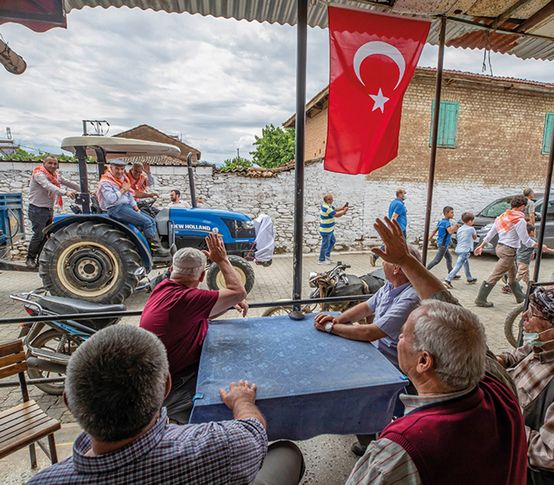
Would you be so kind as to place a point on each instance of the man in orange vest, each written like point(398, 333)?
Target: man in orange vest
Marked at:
point(45, 192)
point(117, 198)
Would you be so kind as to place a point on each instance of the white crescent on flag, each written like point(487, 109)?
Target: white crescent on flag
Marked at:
point(383, 48)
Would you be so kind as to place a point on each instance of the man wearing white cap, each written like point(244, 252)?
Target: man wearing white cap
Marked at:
point(178, 311)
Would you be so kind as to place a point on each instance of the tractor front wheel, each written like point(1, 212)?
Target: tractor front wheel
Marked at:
point(215, 280)
point(89, 261)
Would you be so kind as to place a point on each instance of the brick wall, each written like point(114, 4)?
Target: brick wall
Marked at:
point(500, 133)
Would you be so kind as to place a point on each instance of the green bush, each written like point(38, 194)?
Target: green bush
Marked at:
point(274, 148)
point(237, 163)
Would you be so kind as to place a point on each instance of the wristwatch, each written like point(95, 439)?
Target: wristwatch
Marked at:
point(329, 327)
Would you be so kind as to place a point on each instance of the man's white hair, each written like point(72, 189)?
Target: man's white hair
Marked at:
point(456, 339)
point(189, 262)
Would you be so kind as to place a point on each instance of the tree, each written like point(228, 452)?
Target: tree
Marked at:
point(274, 148)
point(20, 155)
point(237, 163)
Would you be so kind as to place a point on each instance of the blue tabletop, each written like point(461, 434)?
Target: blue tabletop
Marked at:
point(309, 382)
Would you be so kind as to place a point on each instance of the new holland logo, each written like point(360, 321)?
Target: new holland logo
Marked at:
point(195, 227)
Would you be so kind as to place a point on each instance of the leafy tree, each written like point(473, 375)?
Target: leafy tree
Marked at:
point(21, 155)
point(237, 163)
point(274, 148)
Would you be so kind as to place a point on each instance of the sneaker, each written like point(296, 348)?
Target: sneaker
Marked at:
point(31, 263)
point(329, 260)
point(457, 277)
point(472, 282)
point(324, 262)
point(358, 449)
point(448, 284)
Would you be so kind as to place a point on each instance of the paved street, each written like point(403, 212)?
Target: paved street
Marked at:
point(328, 458)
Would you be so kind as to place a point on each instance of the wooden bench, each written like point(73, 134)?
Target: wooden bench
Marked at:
point(24, 424)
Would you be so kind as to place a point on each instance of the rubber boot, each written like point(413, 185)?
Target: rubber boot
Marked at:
point(484, 292)
point(158, 249)
point(518, 292)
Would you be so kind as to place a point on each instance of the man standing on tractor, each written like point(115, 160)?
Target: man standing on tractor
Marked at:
point(141, 179)
point(45, 192)
point(116, 196)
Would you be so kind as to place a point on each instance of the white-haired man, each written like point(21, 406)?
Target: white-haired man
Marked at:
point(116, 382)
point(178, 311)
point(464, 426)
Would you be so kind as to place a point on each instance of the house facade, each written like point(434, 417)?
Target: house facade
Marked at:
point(492, 130)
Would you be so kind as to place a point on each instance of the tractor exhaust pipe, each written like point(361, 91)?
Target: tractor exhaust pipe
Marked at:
point(191, 181)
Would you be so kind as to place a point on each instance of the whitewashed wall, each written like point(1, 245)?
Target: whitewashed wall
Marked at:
point(275, 196)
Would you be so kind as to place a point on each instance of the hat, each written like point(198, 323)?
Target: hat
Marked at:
point(543, 300)
point(118, 161)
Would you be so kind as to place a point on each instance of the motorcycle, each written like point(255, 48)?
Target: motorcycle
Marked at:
point(49, 344)
point(335, 282)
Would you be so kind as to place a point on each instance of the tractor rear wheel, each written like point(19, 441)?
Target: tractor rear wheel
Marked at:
point(90, 261)
point(215, 280)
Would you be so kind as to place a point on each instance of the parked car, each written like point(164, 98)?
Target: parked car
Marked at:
point(485, 218)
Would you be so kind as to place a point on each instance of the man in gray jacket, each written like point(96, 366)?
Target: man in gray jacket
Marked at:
point(45, 191)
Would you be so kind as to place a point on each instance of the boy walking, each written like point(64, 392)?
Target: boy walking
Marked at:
point(445, 228)
point(525, 254)
point(465, 235)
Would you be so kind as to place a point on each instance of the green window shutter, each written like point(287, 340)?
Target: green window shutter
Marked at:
point(547, 137)
point(448, 123)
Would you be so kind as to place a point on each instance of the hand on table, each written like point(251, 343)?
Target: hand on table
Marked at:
point(321, 319)
point(243, 392)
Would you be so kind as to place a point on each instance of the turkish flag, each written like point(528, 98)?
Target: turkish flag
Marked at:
point(373, 59)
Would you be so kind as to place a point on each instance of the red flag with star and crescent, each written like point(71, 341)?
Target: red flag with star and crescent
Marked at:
point(373, 59)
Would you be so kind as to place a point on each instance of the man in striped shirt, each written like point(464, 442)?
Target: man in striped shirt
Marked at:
point(327, 215)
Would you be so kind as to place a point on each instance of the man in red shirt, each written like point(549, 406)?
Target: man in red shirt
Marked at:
point(178, 311)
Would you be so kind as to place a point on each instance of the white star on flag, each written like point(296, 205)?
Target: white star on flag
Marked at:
point(379, 101)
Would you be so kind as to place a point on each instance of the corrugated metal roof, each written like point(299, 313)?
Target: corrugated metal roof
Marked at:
point(539, 15)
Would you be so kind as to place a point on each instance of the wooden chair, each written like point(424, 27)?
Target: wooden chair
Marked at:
point(24, 424)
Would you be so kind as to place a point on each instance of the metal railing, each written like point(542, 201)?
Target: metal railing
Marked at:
point(136, 313)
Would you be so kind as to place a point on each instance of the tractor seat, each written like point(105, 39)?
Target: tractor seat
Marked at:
point(63, 305)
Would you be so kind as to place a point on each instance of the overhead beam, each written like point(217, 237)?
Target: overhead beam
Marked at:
point(507, 13)
point(538, 17)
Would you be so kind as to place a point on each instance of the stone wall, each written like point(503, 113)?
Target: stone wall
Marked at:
point(275, 197)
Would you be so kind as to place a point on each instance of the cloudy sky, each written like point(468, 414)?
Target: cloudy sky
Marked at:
point(215, 82)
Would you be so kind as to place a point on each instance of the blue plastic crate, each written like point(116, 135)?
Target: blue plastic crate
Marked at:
point(11, 217)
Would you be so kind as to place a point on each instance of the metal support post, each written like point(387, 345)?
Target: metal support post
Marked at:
point(191, 180)
point(434, 138)
point(301, 54)
point(545, 203)
point(84, 196)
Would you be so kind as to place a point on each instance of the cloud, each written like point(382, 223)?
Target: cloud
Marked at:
point(216, 82)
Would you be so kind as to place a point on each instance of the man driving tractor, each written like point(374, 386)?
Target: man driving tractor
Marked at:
point(116, 196)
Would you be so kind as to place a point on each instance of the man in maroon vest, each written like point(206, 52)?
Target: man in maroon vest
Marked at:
point(464, 426)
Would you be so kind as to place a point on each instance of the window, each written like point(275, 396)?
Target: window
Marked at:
point(547, 137)
point(496, 208)
point(448, 124)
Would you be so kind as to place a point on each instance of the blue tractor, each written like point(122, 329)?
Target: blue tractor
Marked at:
point(90, 256)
